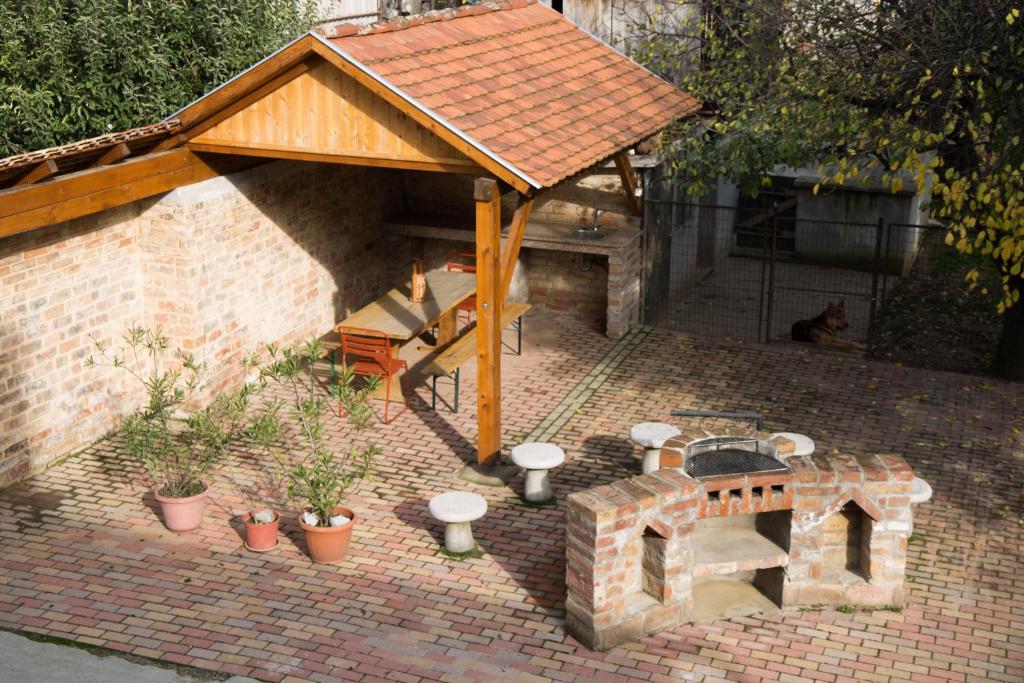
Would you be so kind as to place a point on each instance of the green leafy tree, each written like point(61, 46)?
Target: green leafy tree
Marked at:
point(924, 90)
point(72, 69)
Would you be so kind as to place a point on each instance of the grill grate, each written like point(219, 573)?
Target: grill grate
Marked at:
point(726, 461)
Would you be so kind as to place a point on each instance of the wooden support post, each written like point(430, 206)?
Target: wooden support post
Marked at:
point(488, 319)
point(628, 182)
point(510, 252)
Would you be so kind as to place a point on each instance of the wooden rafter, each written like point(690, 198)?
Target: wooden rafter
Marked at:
point(488, 318)
point(514, 240)
point(39, 172)
point(114, 154)
point(629, 185)
point(170, 143)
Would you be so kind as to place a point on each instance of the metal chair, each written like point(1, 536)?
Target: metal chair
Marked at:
point(464, 262)
point(372, 355)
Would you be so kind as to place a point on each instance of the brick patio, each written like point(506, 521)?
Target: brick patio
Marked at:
point(83, 556)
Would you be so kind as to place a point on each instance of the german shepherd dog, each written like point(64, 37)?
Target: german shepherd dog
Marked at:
point(825, 328)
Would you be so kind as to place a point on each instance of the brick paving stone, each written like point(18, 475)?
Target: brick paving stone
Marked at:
point(83, 556)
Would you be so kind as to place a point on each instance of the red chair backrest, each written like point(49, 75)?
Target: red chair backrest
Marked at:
point(463, 262)
point(367, 345)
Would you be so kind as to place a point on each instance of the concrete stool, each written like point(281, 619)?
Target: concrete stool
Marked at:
point(457, 509)
point(920, 490)
point(537, 458)
point(652, 436)
point(804, 444)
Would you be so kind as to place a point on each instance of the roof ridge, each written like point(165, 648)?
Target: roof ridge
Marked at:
point(401, 23)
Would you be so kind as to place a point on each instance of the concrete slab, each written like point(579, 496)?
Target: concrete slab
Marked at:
point(727, 599)
point(30, 661)
point(488, 475)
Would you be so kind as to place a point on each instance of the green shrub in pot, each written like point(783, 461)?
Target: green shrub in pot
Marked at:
point(177, 445)
point(315, 473)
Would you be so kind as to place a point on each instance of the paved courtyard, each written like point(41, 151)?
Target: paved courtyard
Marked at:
point(84, 557)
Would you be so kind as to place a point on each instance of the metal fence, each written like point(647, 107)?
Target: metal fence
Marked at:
point(751, 273)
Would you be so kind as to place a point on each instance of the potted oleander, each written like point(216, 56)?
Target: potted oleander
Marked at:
point(177, 444)
point(315, 474)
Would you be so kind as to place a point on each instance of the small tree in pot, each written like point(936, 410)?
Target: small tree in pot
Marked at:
point(177, 447)
point(316, 474)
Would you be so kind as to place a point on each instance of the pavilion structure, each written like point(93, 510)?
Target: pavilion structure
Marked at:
point(510, 92)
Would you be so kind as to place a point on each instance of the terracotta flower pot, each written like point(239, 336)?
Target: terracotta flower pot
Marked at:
point(182, 514)
point(260, 537)
point(328, 544)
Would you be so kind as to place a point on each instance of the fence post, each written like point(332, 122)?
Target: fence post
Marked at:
point(771, 277)
point(876, 273)
point(760, 300)
point(887, 253)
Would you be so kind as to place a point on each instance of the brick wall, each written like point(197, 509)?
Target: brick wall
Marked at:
point(568, 283)
point(624, 304)
point(638, 549)
point(273, 254)
point(58, 286)
point(302, 240)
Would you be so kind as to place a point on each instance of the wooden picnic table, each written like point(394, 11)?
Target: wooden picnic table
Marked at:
point(396, 317)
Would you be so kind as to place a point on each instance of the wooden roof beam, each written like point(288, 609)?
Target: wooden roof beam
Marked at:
point(114, 154)
point(99, 188)
point(39, 172)
point(170, 143)
point(354, 159)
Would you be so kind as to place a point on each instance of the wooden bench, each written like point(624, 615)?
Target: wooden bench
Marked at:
point(448, 361)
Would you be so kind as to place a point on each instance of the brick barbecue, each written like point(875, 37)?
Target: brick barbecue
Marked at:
point(648, 553)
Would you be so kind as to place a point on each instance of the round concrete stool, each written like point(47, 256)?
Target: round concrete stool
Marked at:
point(457, 509)
point(537, 458)
point(920, 490)
point(651, 436)
point(804, 444)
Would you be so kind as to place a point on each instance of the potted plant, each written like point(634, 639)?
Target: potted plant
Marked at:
point(261, 492)
point(176, 446)
point(261, 529)
point(315, 473)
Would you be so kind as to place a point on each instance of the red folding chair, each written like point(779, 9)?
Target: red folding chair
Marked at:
point(464, 262)
point(372, 356)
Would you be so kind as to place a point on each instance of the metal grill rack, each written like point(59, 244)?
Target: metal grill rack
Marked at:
point(728, 456)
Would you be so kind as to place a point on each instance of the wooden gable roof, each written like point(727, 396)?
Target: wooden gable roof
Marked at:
point(509, 89)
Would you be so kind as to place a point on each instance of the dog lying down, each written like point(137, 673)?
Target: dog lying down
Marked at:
point(825, 328)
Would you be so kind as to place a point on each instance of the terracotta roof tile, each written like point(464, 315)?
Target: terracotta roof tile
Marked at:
point(523, 82)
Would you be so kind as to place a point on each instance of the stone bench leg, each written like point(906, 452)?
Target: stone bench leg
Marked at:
point(538, 486)
point(652, 460)
point(458, 537)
